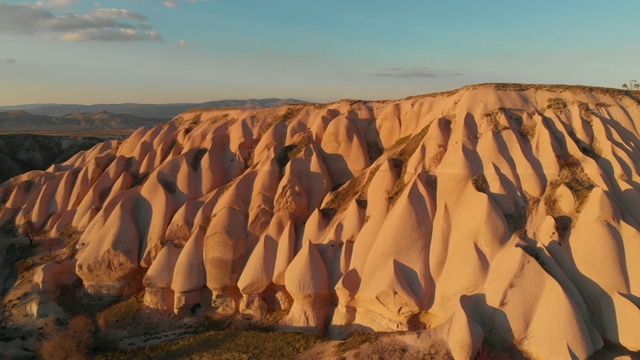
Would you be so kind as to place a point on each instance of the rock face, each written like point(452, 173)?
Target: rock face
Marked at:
point(495, 212)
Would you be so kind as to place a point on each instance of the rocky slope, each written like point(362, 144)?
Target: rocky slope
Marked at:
point(494, 213)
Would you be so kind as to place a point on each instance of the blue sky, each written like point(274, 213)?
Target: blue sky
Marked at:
point(155, 51)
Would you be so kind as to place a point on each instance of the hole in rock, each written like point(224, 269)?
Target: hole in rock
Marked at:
point(196, 309)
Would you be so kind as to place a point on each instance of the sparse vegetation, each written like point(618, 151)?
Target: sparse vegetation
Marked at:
point(9, 229)
point(517, 219)
point(480, 183)
point(494, 123)
point(528, 130)
point(571, 175)
point(495, 347)
point(74, 343)
point(437, 157)
point(585, 148)
point(172, 145)
point(346, 193)
point(374, 149)
point(139, 179)
point(197, 159)
point(631, 85)
point(399, 162)
point(168, 185)
point(389, 348)
point(291, 112)
point(585, 111)
point(283, 157)
point(71, 237)
point(227, 344)
point(121, 316)
point(556, 104)
point(291, 151)
point(355, 341)
point(103, 195)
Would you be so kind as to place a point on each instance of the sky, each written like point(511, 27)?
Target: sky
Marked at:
point(155, 51)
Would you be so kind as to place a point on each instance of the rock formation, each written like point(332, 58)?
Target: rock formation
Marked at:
point(498, 212)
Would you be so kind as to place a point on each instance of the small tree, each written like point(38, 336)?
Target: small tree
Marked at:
point(632, 85)
point(29, 231)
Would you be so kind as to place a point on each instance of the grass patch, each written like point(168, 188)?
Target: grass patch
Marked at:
point(228, 344)
point(355, 188)
point(122, 316)
point(347, 192)
point(355, 341)
point(399, 162)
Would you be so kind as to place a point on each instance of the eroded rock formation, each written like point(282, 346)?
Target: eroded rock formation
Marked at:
point(509, 213)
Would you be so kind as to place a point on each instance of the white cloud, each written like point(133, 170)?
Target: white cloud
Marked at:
point(414, 72)
point(154, 35)
point(99, 25)
point(174, 3)
point(116, 14)
point(185, 43)
point(103, 35)
point(7, 60)
point(56, 4)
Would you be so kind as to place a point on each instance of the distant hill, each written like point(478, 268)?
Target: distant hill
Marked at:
point(21, 121)
point(159, 111)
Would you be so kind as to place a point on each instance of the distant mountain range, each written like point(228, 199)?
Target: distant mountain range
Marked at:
point(21, 121)
point(157, 111)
